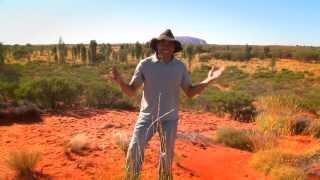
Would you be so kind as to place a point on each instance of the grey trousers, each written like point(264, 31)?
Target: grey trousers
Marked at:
point(143, 132)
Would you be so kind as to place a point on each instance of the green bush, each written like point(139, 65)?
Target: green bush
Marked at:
point(232, 75)
point(101, 95)
point(48, 92)
point(235, 138)
point(237, 103)
point(9, 80)
point(311, 100)
point(286, 75)
point(263, 73)
point(200, 74)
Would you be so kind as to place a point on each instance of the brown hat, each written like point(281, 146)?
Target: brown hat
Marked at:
point(166, 35)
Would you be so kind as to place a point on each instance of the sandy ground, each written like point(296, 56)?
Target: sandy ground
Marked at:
point(195, 159)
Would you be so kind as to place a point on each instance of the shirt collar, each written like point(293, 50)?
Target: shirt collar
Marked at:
point(154, 58)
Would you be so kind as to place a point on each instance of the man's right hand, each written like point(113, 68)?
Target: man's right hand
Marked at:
point(115, 75)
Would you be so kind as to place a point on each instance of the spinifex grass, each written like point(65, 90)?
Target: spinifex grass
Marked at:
point(276, 113)
point(23, 162)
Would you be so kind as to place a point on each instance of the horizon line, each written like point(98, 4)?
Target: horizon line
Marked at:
point(144, 42)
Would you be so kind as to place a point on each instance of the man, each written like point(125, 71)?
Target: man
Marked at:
point(162, 75)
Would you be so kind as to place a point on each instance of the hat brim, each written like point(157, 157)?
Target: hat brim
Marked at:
point(154, 42)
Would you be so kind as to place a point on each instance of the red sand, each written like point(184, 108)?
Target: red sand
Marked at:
point(105, 160)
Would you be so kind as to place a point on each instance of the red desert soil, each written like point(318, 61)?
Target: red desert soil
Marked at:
point(104, 160)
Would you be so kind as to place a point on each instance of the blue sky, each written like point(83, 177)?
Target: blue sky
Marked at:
point(287, 22)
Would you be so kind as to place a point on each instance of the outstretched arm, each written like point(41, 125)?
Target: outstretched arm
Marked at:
point(129, 89)
point(193, 90)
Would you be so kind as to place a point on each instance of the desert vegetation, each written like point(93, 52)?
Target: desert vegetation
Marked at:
point(23, 163)
point(274, 89)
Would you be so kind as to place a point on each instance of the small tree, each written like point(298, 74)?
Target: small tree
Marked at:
point(138, 50)
point(266, 52)
point(29, 51)
point(123, 54)
point(248, 52)
point(74, 54)
point(147, 51)
point(190, 54)
point(61, 51)
point(273, 64)
point(106, 50)
point(93, 52)
point(1, 54)
point(109, 51)
point(54, 52)
point(20, 52)
point(83, 53)
point(78, 50)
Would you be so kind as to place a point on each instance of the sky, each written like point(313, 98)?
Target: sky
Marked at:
point(261, 22)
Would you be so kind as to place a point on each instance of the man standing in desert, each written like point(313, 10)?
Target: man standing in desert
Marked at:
point(162, 76)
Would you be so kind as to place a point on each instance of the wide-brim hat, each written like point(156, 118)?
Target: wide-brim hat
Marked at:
point(168, 36)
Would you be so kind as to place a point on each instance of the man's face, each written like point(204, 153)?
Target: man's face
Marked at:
point(165, 48)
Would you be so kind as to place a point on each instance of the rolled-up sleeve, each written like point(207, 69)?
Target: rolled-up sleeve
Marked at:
point(185, 80)
point(137, 78)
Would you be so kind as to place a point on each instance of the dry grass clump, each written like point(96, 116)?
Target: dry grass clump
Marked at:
point(234, 138)
point(265, 161)
point(249, 140)
point(78, 143)
point(279, 164)
point(276, 114)
point(262, 140)
point(287, 173)
point(122, 140)
point(23, 162)
point(314, 128)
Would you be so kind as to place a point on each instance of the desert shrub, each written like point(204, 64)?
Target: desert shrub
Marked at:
point(280, 164)
point(51, 86)
point(200, 73)
point(234, 138)
point(287, 172)
point(122, 141)
point(265, 161)
point(262, 140)
point(237, 103)
point(265, 81)
point(306, 54)
point(310, 157)
point(314, 129)
point(6, 89)
point(9, 80)
point(48, 92)
point(286, 75)
point(249, 140)
point(205, 57)
point(311, 100)
point(101, 95)
point(23, 162)
point(78, 143)
point(263, 73)
point(231, 75)
point(276, 113)
point(255, 87)
point(300, 126)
